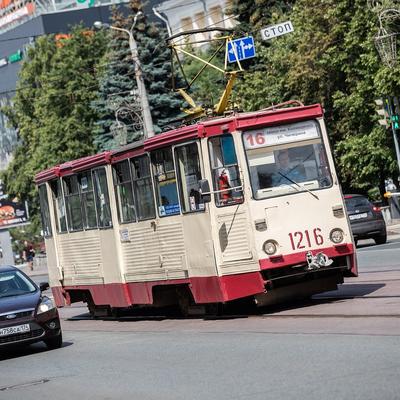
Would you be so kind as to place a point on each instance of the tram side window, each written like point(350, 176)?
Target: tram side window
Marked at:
point(45, 212)
point(189, 173)
point(225, 171)
point(143, 189)
point(102, 198)
point(124, 192)
point(165, 182)
point(87, 200)
point(73, 203)
point(59, 206)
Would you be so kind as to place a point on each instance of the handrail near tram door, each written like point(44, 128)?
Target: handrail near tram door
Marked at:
point(236, 188)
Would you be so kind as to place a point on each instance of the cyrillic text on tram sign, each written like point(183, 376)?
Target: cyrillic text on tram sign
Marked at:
point(276, 30)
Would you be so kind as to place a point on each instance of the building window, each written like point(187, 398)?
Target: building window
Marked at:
point(200, 20)
point(186, 24)
point(216, 16)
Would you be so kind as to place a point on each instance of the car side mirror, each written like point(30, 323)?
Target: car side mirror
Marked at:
point(44, 286)
point(205, 190)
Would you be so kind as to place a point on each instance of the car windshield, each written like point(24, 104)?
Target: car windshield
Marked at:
point(14, 283)
point(286, 159)
point(352, 203)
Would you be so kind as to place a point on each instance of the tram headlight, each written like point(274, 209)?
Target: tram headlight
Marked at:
point(336, 235)
point(270, 247)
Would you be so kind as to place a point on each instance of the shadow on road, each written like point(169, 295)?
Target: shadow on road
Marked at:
point(351, 290)
point(234, 310)
point(28, 350)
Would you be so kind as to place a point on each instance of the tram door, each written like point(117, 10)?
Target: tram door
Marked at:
point(229, 214)
point(185, 243)
point(195, 216)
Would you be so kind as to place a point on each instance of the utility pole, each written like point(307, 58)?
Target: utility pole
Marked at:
point(147, 120)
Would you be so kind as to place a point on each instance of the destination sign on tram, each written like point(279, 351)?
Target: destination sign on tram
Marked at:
point(281, 134)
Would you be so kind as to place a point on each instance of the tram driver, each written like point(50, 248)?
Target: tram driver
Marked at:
point(286, 173)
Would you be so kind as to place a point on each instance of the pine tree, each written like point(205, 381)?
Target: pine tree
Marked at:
point(116, 84)
point(118, 78)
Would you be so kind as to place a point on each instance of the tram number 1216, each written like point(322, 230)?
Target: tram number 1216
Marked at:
point(301, 240)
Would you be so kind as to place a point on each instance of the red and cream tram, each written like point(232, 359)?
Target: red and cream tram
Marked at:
point(246, 206)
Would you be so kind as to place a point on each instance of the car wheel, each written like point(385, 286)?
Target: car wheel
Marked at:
point(54, 342)
point(381, 239)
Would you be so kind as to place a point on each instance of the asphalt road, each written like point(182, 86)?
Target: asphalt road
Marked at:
point(339, 345)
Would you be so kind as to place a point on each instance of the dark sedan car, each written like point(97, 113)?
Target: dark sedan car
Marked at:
point(366, 220)
point(26, 315)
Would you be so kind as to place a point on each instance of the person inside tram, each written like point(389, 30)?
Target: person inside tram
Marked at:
point(286, 173)
point(223, 183)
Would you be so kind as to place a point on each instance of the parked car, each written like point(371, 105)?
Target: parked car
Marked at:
point(366, 220)
point(26, 315)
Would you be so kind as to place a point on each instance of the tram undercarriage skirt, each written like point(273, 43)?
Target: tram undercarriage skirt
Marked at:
point(298, 291)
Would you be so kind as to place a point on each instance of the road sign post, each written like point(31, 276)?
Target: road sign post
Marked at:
point(241, 49)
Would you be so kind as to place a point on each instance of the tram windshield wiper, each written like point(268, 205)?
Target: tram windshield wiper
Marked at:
point(302, 187)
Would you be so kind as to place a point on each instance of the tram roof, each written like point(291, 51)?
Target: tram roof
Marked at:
point(207, 128)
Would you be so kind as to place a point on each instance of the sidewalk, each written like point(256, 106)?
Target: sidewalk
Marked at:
point(393, 228)
point(39, 267)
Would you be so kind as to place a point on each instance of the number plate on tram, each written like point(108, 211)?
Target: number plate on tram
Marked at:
point(358, 216)
point(12, 330)
point(306, 239)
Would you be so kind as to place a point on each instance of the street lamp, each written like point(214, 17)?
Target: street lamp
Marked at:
point(147, 120)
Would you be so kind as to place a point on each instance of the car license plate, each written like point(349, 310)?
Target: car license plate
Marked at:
point(12, 330)
point(358, 216)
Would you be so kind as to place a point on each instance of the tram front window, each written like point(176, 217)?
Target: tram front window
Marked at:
point(286, 159)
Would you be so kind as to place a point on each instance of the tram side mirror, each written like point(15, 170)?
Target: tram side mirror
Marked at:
point(205, 190)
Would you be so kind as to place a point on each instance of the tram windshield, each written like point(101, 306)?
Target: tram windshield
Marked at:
point(286, 159)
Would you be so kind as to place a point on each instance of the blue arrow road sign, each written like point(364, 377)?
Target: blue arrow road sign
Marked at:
point(244, 48)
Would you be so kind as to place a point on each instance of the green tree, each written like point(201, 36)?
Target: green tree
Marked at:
point(330, 58)
point(51, 109)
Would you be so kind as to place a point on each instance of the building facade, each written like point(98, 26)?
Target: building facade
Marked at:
point(185, 15)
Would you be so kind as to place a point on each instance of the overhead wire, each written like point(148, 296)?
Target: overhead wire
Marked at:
point(115, 62)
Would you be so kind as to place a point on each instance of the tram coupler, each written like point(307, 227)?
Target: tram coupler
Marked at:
point(317, 261)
